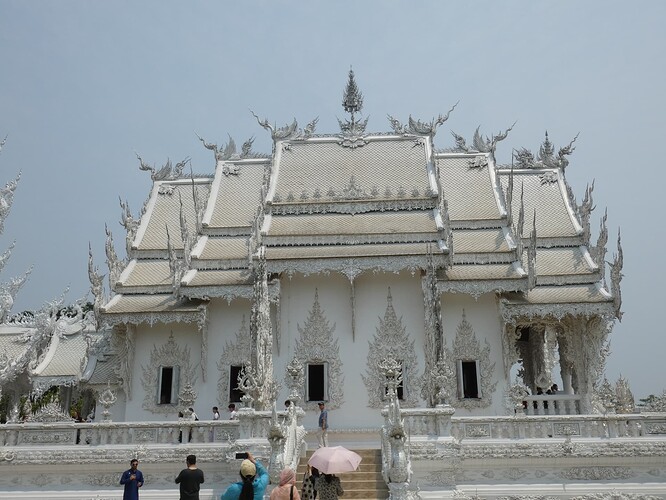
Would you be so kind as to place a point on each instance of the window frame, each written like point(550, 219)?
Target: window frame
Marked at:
point(325, 381)
point(175, 384)
point(462, 378)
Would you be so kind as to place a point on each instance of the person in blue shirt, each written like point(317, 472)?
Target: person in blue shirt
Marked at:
point(253, 483)
point(322, 434)
point(133, 480)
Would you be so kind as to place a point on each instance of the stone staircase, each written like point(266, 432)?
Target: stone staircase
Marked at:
point(365, 483)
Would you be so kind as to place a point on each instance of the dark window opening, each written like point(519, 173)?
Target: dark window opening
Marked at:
point(166, 385)
point(235, 393)
point(470, 383)
point(316, 382)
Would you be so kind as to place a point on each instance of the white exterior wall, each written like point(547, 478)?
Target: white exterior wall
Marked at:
point(297, 298)
point(334, 290)
point(483, 315)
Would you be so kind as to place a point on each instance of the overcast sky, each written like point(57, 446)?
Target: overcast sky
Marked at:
point(84, 85)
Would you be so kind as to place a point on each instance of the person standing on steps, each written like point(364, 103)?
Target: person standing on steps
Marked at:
point(322, 433)
point(328, 487)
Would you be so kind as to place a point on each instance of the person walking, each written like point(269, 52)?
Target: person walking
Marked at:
point(253, 483)
point(286, 490)
point(216, 413)
point(328, 487)
point(190, 479)
point(308, 491)
point(132, 478)
point(322, 433)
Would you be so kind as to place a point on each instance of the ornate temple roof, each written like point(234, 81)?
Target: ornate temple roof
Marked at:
point(355, 201)
point(234, 196)
point(163, 213)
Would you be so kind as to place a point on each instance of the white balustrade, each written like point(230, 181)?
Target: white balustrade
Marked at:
point(552, 404)
point(418, 422)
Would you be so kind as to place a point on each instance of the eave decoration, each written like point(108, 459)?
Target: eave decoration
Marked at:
point(467, 347)
point(317, 345)
point(234, 354)
point(168, 354)
point(391, 342)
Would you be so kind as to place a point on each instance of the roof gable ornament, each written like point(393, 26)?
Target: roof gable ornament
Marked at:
point(228, 151)
point(352, 102)
point(545, 158)
point(96, 287)
point(584, 212)
point(417, 127)
point(166, 172)
point(114, 264)
point(130, 224)
point(288, 132)
point(7, 197)
point(481, 144)
point(598, 252)
point(616, 277)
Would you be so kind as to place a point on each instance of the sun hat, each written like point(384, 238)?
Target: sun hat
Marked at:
point(248, 468)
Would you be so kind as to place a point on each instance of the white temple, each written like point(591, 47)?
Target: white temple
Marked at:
point(431, 295)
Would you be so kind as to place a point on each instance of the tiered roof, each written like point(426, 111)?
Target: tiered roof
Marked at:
point(351, 202)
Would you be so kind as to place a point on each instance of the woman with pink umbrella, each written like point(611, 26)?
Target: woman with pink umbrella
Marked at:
point(331, 460)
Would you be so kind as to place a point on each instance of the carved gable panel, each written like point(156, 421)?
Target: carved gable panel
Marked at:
point(169, 354)
point(317, 345)
point(391, 341)
point(234, 354)
point(466, 347)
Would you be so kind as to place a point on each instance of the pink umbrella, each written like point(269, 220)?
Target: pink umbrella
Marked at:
point(334, 460)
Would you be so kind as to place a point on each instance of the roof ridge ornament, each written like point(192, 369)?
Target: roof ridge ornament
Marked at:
point(525, 159)
point(616, 277)
point(481, 144)
point(352, 102)
point(229, 151)
point(417, 127)
point(167, 172)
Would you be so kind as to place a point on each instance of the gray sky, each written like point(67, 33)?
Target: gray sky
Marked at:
point(84, 85)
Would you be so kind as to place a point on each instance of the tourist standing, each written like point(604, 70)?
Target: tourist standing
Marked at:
point(233, 415)
point(190, 479)
point(133, 480)
point(216, 413)
point(328, 487)
point(286, 490)
point(253, 483)
point(322, 433)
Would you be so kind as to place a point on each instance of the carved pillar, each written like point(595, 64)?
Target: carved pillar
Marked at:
point(261, 334)
point(203, 327)
point(594, 353)
point(566, 362)
point(510, 349)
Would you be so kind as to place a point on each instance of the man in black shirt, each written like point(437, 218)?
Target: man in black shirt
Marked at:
point(190, 479)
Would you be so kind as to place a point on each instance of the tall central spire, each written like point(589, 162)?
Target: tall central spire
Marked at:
point(352, 102)
point(352, 98)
